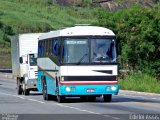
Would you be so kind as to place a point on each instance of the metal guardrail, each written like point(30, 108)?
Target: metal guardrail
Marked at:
point(6, 70)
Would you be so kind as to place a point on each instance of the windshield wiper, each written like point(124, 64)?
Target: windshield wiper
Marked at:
point(114, 60)
point(82, 58)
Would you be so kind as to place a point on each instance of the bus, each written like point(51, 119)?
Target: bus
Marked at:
point(79, 61)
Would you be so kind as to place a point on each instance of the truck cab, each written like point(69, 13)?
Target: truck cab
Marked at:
point(29, 69)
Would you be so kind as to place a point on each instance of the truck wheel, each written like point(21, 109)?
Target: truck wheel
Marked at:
point(19, 88)
point(25, 91)
point(107, 98)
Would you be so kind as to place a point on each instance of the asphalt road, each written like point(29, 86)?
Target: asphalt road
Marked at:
point(126, 105)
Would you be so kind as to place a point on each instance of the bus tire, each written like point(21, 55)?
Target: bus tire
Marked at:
point(26, 92)
point(107, 98)
point(60, 99)
point(91, 98)
point(83, 98)
point(19, 88)
point(44, 91)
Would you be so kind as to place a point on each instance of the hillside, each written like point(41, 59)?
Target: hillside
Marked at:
point(23, 16)
point(106, 4)
point(136, 24)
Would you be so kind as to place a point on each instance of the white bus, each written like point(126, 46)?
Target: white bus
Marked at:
point(78, 61)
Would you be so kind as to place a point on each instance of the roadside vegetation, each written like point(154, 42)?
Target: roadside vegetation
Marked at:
point(140, 82)
point(137, 29)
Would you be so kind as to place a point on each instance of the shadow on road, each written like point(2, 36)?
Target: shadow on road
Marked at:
point(35, 94)
point(114, 100)
point(127, 99)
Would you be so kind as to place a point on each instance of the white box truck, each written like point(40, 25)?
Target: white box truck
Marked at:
point(24, 48)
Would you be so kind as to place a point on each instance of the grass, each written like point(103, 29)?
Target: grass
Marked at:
point(5, 61)
point(24, 16)
point(37, 16)
point(140, 82)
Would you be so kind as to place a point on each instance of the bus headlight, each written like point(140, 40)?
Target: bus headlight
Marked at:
point(68, 89)
point(62, 78)
point(113, 88)
point(108, 88)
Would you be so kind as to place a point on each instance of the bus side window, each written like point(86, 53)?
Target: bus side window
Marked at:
point(47, 47)
point(40, 49)
point(56, 48)
point(43, 48)
point(50, 47)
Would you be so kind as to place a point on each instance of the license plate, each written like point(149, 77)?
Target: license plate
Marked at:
point(90, 90)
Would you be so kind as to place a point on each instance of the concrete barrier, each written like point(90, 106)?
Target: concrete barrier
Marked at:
point(6, 75)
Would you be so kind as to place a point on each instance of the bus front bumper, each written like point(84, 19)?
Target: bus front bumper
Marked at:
point(88, 90)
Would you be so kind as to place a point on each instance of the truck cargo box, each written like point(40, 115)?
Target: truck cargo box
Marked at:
point(20, 46)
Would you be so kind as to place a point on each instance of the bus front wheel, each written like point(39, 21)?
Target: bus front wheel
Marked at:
point(107, 98)
point(60, 99)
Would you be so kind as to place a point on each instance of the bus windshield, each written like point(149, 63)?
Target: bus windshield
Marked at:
point(85, 51)
point(76, 51)
point(103, 50)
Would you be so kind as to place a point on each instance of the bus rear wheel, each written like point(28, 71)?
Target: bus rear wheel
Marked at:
point(107, 98)
point(45, 95)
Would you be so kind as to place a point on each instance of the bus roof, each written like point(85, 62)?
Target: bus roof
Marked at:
point(78, 31)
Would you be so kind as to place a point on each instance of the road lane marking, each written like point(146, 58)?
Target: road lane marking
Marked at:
point(147, 104)
point(136, 92)
point(83, 110)
point(35, 100)
point(116, 118)
point(77, 109)
point(143, 103)
point(61, 105)
point(144, 97)
point(22, 97)
point(13, 95)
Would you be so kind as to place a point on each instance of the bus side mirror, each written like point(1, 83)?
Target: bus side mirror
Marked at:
point(21, 59)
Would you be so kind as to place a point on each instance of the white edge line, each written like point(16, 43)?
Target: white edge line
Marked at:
point(62, 106)
point(23, 97)
point(13, 95)
point(35, 100)
point(138, 96)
